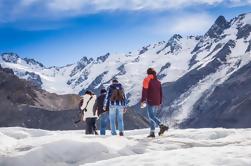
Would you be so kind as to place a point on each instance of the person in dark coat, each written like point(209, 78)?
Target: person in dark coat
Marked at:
point(117, 103)
point(102, 114)
point(152, 99)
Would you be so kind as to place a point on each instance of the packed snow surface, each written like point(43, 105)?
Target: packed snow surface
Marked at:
point(193, 147)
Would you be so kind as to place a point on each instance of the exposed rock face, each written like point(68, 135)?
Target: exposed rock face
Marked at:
point(219, 26)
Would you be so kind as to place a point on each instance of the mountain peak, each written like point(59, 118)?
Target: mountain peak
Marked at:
point(10, 57)
point(175, 37)
point(103, 57)
point(221, 21)
point(244, 18)
point(218, 27)
point(33, 62)
point(85, 59)
point(81, 65)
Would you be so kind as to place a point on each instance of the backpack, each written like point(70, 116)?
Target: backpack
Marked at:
point(117, 94)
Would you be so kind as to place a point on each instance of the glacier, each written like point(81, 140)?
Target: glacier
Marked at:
point(194, 147)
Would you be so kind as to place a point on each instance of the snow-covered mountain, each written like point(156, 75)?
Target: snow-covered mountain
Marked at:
point(197, 147)
point(91, 73)
point(191, 68)
point(221, 53)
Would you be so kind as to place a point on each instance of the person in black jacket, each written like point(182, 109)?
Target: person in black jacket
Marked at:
point(103, 114)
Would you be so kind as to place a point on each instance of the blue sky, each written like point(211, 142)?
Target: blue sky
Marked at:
point(60, 32)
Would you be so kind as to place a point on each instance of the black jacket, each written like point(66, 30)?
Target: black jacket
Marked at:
point(99, 104)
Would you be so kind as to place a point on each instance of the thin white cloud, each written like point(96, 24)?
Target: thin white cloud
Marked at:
point(54, 9)
point(97, 5)
point(194, 24)
point(184, 24)
point(237, 3)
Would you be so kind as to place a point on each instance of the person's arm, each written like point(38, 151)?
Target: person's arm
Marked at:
point(81, 103)
point(106, 102)
point(144, 90)
point(125, 100)
point(161, 94)
point(95, 107)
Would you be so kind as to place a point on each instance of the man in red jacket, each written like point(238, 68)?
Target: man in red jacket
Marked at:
point(152, 98)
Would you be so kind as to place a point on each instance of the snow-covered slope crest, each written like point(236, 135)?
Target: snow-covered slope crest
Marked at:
point(212, 147)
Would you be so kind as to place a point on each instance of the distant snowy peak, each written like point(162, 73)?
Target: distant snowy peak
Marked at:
point(81, 65)
point(241, 20)
point(33, 62)
point(10, 57)
point(218, 27)
point(103, 58)
point(14, 58)
point(222, 30)
point(175, 38)
point(86, 61)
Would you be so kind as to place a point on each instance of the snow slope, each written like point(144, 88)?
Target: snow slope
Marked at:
point(210, 147)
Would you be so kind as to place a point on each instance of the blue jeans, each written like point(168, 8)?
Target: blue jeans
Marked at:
point(103, 122)
point(116, 112)
point(152, 115)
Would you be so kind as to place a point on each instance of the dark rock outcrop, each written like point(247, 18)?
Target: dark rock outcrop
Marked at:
point(218, 27)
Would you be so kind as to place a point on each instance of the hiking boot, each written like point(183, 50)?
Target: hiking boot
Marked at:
point(163, 128)
point(151, 135)
point(121, 134)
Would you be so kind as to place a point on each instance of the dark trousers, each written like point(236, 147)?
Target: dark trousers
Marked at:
point(90, 125)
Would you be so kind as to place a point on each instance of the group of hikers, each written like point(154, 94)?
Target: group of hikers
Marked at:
point(111, 104)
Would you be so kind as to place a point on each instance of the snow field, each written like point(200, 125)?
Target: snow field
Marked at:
point(195, 147)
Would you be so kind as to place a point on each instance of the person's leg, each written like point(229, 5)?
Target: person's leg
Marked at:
point(94, 127)
point(112, 116)
point(150, 114)
point(88, 127)
point(106, 121)
point(103, 123)
point(154, 115)
point(120, 119)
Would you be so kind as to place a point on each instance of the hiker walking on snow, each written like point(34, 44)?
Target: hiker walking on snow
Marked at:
point(152, 99)
point(116, 101)
point(101, 112)
point(87, 105)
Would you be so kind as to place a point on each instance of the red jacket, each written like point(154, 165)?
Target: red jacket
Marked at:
point(152, 91)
